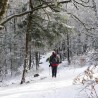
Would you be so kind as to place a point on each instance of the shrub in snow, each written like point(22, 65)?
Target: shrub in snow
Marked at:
point(79, 61)
point(89, 80)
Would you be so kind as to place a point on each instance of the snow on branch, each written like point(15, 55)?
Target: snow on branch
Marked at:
point(1, 27)
point(82, 3)
point(78, 20)
point(41, 6)
point(70, 27)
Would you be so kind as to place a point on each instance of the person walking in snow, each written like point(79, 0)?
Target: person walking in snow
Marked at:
point(54, 61)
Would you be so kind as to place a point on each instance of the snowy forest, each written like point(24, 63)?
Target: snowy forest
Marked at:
point(31, 30)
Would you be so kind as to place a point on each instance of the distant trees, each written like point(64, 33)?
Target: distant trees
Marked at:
point(83, 16)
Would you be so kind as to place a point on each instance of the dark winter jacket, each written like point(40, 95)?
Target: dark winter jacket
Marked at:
point(54, 60)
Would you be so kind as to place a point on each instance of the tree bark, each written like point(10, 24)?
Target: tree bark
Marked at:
point(3, 5)
point(68, 51)
point(26, 51)
point(37, 60)
point(30, 58)
point(26, 58)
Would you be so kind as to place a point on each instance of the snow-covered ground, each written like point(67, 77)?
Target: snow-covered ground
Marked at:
point(45, 86)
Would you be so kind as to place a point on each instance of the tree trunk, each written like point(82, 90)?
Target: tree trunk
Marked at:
point(30, 58)
point(39, 57)
point(37, 60)
point(5, 62)
point(11, 66)
point(68, 51)
point(27, 43)
point(26, 59)
point(26, 52)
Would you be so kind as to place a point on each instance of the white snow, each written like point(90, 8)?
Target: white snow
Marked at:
point(45, 86)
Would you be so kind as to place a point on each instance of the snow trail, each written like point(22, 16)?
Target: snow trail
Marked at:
point(59, 87)
point(46, 88)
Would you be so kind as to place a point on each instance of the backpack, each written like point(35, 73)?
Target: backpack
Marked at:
point(54, 60)
point(58, 59)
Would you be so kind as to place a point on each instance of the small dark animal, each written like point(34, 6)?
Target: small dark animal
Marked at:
point(36, 75)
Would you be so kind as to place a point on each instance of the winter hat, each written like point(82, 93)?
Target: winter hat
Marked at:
point(53, 53)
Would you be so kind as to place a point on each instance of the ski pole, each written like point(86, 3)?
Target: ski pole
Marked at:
point(49, 70)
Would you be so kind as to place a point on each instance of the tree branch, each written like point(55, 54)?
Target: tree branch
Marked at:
point(41, 6)
point(62, 2)
point(13, 16)
point(85, 1)
point(82, 23)
point(82, 3)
